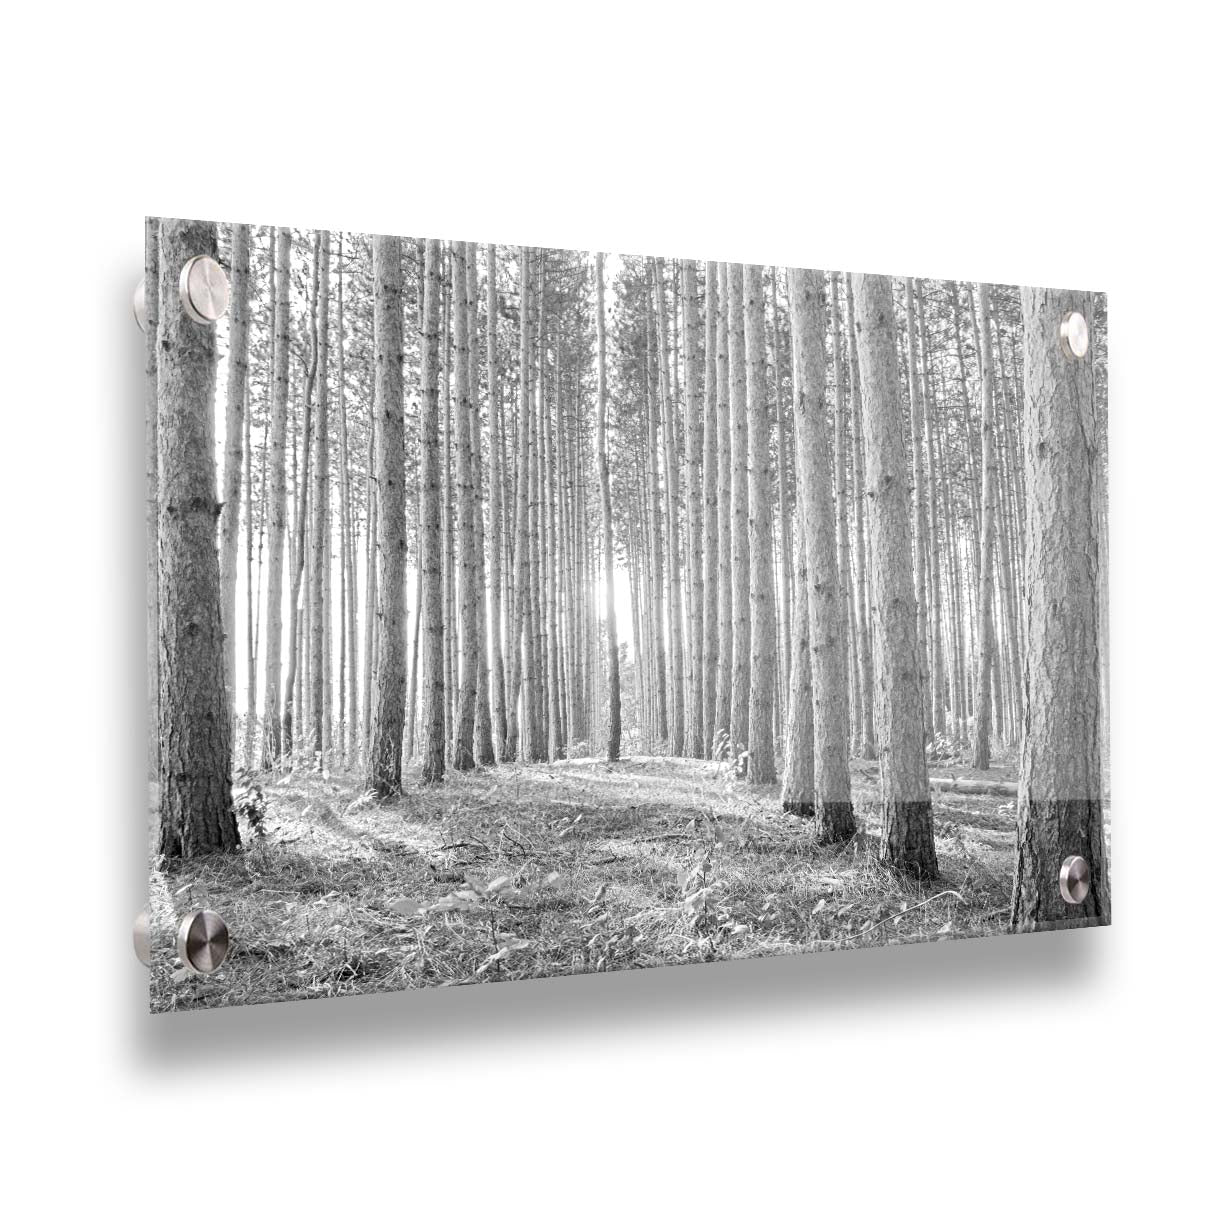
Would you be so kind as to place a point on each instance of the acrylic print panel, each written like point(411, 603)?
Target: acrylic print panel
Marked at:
point(520, 612)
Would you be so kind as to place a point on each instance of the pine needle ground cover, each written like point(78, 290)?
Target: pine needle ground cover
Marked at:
point(575, 867)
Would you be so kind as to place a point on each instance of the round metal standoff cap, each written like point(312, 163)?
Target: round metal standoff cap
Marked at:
point(140, 936)
point(204, 289)
point(203, 941)
point(1073, 334)
point(1074, 880)
point(138, 306)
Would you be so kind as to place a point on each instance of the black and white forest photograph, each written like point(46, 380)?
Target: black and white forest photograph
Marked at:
point(518, 612)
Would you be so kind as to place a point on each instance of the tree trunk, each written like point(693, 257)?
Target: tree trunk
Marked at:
point(320, 663)
point(938, 672)
point(917, 434)
point(152, 292)
point(695, 676)
point(385, 766)
point(275, 495)
point(826, 601)
point(231, 480)
point(908, 838)
point(671, 535)
point(862, 564)
point(482, 732)
point(761, 764)
point(605, 500)
point(709, 474)
point(741, 625)
point(798, 767)
point(986, 630)
point(1059, 806)
point(497, 669)
point(195, 723)
point(656, 529)
point(721, 736)
point(433, 684)
point(463, 757)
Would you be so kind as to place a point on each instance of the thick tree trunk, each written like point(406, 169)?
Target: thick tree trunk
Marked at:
point(231, 479)
point(761, 764)
point(1059, 807)
point(908, 838)
point(833, 809)
point(385, 767)
point(798, 762)
point(195, 724)
point(841, 463)
point(152, 293)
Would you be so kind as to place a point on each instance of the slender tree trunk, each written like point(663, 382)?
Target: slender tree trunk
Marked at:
point(463, 757)
point(709, 473)
point(826, 601)
point(371, 584)
point(231, 480)
point(722, 701)
point(986, 630)
point(1059, 808)
point(348, 550)
point(938, 671)
point(275, 498)
point(908, 838)
point(496, 657)
point(320, 663)
point(695, 722)
point(483, 727)
point(251, 596)
point(656, 530)
point(605, 499)
point(761, 764)
point(195, 724)
point(917, 432)
point(292, 685)
point(675, 601)
point(866, 648)
point(433, 684)
point(786, 555)
point(741, 625)
point(385, 768)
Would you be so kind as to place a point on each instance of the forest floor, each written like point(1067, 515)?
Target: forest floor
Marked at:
point(574, 867)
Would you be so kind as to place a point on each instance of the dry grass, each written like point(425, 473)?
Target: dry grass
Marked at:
point(535, 871)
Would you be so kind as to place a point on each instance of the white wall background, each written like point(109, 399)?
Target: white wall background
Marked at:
point(1056, 1076)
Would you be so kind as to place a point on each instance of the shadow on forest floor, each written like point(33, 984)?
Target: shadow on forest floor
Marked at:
point(535, 871)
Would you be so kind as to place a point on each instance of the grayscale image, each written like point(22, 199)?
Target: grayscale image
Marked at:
point(517, 612)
